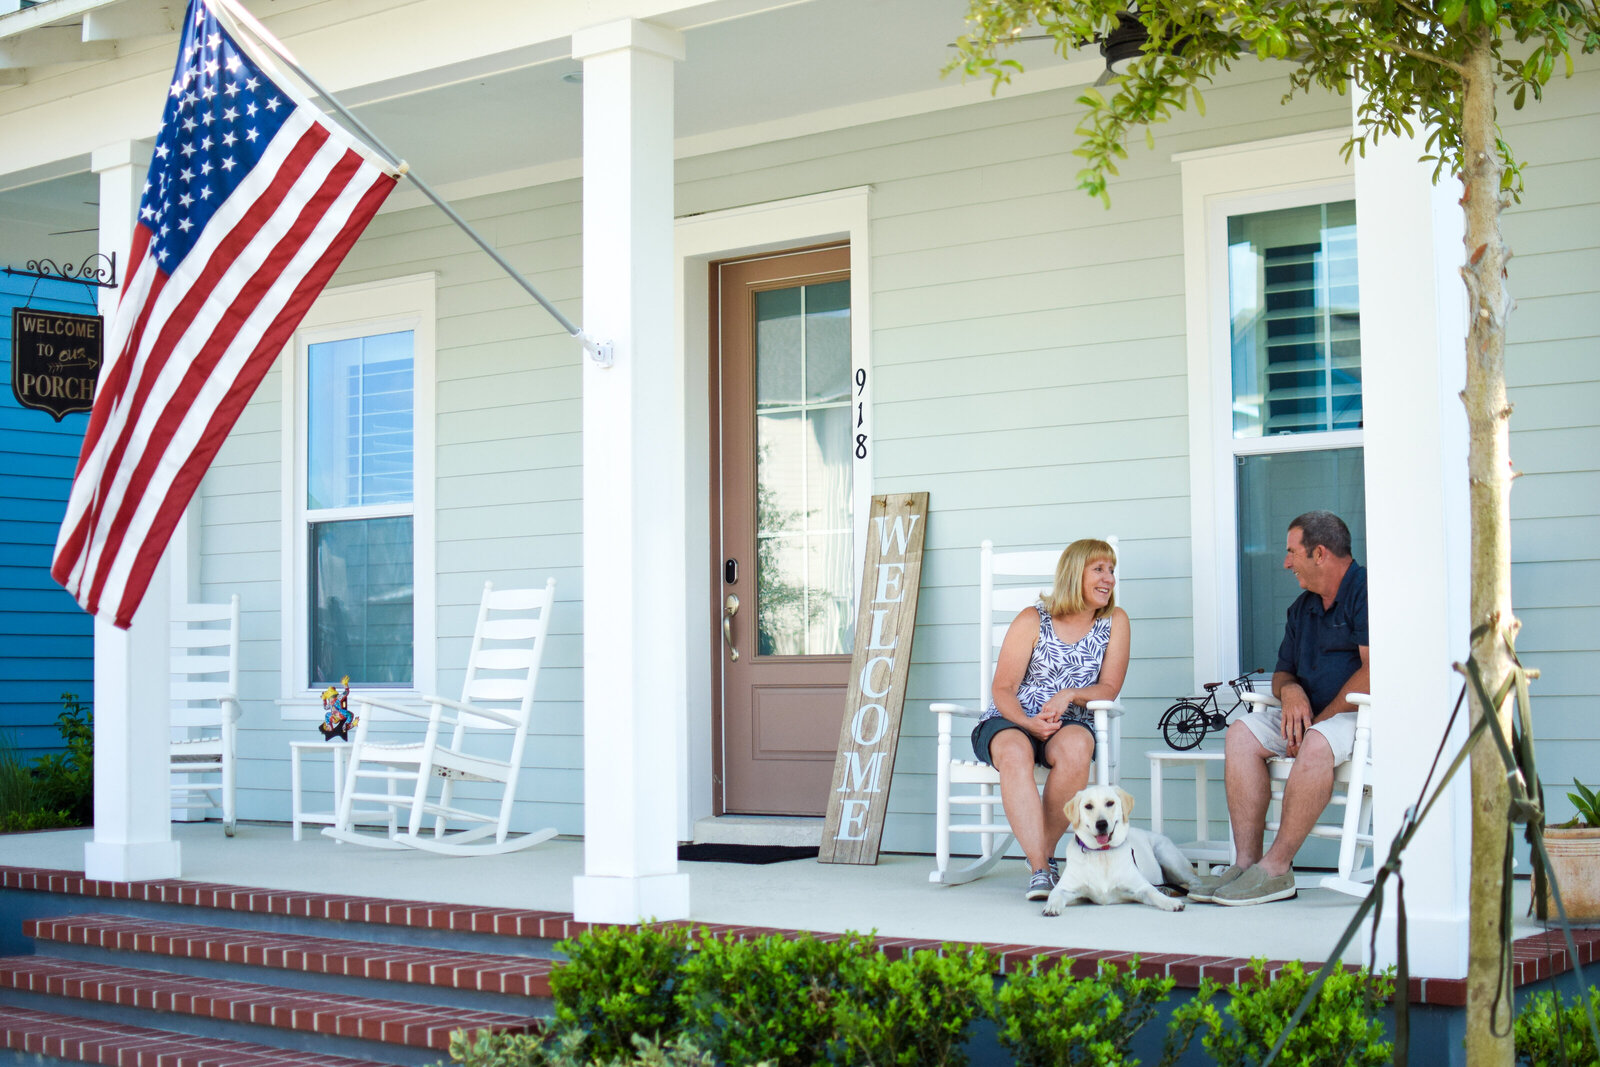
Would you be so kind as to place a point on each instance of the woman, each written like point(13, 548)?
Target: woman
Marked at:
point(1068, 649)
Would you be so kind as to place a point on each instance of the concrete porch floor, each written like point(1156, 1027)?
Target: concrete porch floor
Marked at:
point(894, 897)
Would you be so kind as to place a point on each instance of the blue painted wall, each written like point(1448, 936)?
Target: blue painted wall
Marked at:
point(46, 640)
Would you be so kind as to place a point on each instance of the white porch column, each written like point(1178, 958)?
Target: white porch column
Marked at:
point(132, 819)
point(634, 650)
point(1413, 364)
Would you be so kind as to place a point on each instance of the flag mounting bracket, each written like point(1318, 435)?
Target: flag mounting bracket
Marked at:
point(88, 272)
point(602, 352)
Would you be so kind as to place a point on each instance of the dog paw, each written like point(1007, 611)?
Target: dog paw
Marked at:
point(1171, 904)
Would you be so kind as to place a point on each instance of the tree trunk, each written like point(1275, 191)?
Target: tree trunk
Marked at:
point(1489, 1008)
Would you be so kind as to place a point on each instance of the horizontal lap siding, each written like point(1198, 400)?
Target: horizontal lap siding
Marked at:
point(1029, 362)
point(46, 641)
point(1029, 373)
point(507, 489)
point(1554, 380)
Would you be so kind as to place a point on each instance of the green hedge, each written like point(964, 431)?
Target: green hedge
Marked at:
point(669, 996)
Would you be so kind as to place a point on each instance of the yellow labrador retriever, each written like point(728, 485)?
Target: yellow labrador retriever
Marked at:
point(1110, 862)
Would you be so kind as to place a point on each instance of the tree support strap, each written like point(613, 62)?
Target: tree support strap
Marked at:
point(1526, 808)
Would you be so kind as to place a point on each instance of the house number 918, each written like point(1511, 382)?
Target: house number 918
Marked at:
point(861, 438)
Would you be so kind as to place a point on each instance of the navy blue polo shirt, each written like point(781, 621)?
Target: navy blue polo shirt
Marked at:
point(1323, 648)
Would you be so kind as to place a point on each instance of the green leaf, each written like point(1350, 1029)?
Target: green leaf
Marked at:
point(1451, 11)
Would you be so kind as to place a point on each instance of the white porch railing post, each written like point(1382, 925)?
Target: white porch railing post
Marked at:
point(634, 585)
point(1413, 328)
point(132, 814)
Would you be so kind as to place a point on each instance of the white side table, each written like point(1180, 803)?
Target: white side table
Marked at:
point(298, 816)
point(1204, 848)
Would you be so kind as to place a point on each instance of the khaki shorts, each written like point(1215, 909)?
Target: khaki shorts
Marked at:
point(1267, 725)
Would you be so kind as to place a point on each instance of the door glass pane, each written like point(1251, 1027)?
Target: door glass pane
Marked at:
point(359, 421)
point(778, 332)
point(804, 469)
point(361, 601)
point(1273, 491)
point(827, 342)
point(1296, 327)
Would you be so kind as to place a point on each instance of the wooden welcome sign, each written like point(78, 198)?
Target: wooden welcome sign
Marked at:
point(885, 619)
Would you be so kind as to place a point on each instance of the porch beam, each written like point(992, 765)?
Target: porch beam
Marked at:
point(635, 588)
point(132, 817)
point(1413, 343)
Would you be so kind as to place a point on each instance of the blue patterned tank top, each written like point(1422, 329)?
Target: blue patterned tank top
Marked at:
point(1056, 665)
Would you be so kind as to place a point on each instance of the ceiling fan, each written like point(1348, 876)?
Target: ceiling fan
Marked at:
point(1124, 42)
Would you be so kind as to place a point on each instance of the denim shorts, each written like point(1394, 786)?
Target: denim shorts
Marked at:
point(985, 732)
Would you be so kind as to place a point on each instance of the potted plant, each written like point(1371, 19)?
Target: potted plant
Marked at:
point(1574, 848)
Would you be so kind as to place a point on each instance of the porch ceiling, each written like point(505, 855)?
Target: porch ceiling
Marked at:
point(754, 66)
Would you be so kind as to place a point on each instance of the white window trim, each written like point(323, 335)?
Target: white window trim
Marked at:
point(842, 214)
point(406, 303)
point(1258, 176)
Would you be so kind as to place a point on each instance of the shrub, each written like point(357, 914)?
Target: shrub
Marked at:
point(1339, 1028)
point(16, 780)
point(1549, 1026)
point(1048, 1017)
point(768, 998)
point(914, 1010)
point(620, 981)
point(489, 1049)
point(65, 781)
point(20, 795)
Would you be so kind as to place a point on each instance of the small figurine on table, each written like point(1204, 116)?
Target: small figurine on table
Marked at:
point(336, 717)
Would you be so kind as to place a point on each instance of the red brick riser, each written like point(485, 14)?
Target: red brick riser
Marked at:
point(1534, 958)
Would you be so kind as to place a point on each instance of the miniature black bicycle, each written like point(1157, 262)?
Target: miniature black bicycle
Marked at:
point(1186, 723)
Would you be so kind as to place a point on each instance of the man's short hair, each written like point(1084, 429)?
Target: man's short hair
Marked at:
point(1323, 528)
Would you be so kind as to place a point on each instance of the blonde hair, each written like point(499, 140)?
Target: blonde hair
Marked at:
point(1066, 598)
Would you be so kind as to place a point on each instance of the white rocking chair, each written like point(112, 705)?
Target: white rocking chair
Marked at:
point(204, 694)
point(1352, 791)
point(492, 714)
point(1008, 582)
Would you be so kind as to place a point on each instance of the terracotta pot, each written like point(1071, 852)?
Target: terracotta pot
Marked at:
point(1575, 859)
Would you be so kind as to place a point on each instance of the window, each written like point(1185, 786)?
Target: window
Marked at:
point(1275, 379)
point(803, 470)
point(360, 528)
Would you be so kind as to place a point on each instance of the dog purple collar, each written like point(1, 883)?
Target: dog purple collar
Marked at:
point(1086, 848)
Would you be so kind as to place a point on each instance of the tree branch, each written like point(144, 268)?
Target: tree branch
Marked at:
point(1422, 13)
point(1414, 53)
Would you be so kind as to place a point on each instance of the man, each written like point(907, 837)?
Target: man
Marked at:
point(1323, 659)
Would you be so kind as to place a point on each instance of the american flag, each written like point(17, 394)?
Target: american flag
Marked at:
point(251, 202)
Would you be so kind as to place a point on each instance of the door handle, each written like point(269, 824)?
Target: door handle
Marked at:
point(729, 610)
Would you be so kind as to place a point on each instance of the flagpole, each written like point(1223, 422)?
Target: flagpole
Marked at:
point(600, 351)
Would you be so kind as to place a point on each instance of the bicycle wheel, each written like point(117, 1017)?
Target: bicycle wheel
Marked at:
point(1184, 725)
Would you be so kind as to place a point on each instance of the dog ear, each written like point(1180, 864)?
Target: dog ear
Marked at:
point(1127, 801)
point(1070, 809)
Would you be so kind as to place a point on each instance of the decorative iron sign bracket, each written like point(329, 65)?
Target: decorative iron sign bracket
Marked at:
point(89, 272)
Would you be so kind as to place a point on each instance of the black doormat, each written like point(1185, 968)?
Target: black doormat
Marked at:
point(746, 853)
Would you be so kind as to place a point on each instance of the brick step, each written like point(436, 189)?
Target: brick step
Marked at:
point(481, 972)
point(67, 1037)
point(415, 1026)
point(465, 919)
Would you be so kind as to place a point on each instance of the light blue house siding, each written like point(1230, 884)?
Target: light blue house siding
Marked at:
point(46, 641)
point(1030, 372)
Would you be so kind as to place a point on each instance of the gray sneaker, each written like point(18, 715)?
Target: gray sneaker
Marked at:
point(1039, 885)
point(1205, 887)
point(1255, 886)
point(1055, 874)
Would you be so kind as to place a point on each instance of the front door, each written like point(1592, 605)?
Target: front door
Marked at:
point(785, 588)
